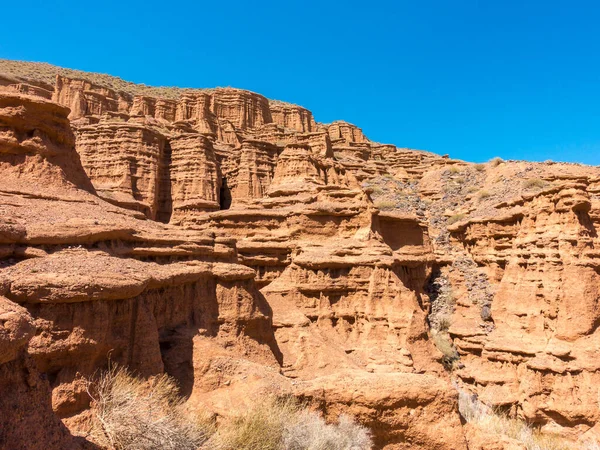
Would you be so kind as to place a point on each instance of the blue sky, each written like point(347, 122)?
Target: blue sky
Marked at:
point(474, 79)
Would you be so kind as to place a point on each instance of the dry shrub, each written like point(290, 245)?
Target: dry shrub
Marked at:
point(483, 195)
point(260, 428)
point(453, 170)
point(284, 424)
point(496, 161)
point(132, 413)
point(310, 431)
point(534, 183)
point(474, 411)
point(455, 218)
point(479, 167)
point(385, 204)
point(470, 408)
point(444, 322)
point(443, 342)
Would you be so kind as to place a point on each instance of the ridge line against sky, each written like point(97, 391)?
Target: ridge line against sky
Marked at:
point(474, 79)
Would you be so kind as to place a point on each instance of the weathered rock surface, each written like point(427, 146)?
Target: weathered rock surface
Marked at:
point(244, 248)
point(99, 282)
point(26, 417)
point(543, 254)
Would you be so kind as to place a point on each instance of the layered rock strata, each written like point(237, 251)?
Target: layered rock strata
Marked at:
point(85, 282)
point(244, 248)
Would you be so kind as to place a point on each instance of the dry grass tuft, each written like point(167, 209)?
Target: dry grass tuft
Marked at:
point(480, 167)
point(455, 218)
point(483, 195)
point(377, 190)
point(131, 413)
point(443, 323)
point(260, 428)
point(310, 431)
point(284, 424)
point(385, 204)
point(443, 343)
point(534, 183)
point(496, 161)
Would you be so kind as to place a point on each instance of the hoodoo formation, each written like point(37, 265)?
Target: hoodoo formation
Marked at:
point(245, 249)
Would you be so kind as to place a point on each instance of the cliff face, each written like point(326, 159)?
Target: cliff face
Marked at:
point(242, 247)
point(544, 265)
point(95, 282)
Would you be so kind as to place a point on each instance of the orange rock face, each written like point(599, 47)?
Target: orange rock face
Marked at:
point(243, 248)
point(545, 308)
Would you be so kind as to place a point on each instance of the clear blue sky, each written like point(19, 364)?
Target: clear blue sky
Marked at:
point(475, 79)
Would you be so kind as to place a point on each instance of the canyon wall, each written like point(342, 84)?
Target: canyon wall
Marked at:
point(238, 245)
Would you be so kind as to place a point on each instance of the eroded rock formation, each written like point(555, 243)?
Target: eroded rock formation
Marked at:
point(244, 248)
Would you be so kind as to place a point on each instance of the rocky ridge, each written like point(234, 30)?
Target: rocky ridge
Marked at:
point(244, 248)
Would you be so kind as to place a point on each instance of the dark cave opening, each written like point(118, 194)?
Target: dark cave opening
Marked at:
point(224, 195)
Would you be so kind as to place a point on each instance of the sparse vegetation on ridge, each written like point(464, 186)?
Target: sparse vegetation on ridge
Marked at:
point(44, 72)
